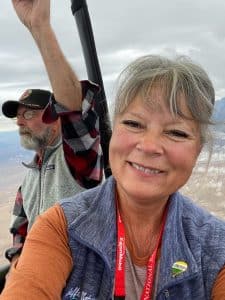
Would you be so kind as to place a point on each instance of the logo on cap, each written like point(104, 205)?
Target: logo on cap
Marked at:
point(26, 94)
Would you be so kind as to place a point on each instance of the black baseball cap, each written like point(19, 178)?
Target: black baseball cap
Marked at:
point(32, 98)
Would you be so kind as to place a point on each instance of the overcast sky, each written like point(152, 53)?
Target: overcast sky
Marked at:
point(123, 30)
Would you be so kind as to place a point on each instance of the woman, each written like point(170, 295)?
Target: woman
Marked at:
point(135, 235)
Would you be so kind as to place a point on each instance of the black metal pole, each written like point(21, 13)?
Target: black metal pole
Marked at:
point(81, 14)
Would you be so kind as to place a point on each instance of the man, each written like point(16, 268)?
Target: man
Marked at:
point(62, 129)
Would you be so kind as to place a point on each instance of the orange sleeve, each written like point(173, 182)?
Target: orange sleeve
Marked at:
point(45, 262)
point(218, 292)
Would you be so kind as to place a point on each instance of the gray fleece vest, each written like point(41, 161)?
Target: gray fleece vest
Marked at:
point(191, 235)
point(41, 188)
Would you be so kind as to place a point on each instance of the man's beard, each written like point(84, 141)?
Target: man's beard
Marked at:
point(34, 142)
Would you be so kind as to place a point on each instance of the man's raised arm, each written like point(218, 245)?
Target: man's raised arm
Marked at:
point(35, 15)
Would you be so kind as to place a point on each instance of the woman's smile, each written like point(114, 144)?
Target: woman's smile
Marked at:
point(145, 170)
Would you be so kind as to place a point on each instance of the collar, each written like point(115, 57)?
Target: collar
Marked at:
point(96, 222)
point(48, 151)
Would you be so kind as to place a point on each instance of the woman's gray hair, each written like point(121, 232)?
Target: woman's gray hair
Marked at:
point(175, 78)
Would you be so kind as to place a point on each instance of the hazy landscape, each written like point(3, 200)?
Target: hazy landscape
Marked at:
point(11, 175)
point(206, 186)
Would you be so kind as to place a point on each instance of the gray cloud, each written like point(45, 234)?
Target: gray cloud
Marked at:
point(123, 30)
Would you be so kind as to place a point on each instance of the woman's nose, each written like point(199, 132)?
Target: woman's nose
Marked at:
point(150, 143)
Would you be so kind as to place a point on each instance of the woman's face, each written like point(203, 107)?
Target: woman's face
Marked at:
point(152, 153)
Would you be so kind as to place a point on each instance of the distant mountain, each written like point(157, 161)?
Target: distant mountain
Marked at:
point(10, 150)
point(219, 110)
point(219, 114)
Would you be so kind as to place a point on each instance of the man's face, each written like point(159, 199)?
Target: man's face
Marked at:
point(34, 134)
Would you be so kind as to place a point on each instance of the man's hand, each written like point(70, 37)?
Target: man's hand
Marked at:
point(33, 13)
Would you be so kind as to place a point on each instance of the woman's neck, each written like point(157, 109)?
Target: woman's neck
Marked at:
point(139, 214)
point(142, 227)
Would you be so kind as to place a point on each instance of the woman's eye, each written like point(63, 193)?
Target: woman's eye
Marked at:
point(178, 133)
point(131, 123)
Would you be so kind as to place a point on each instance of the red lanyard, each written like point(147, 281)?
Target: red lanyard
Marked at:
point(120, 262)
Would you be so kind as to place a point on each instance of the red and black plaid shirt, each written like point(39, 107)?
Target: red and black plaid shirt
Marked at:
point(83, 154)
